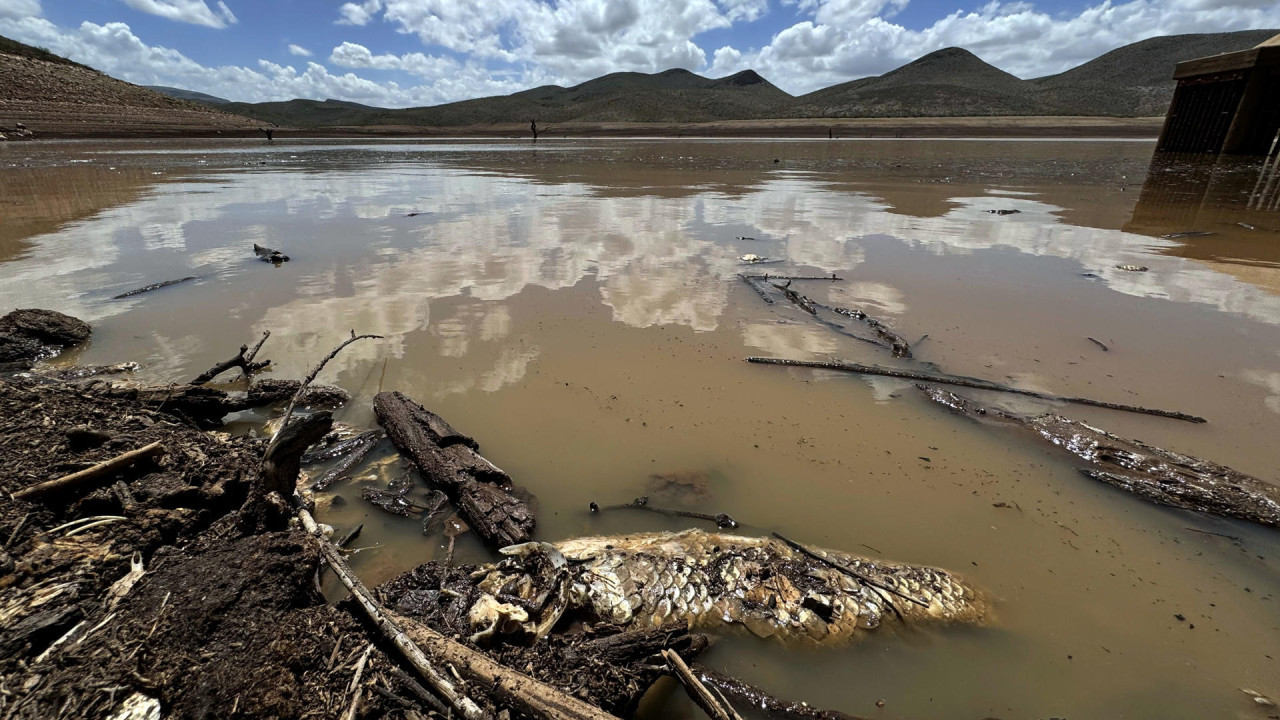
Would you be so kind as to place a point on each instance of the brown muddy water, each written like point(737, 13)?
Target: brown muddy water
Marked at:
point(574, 306)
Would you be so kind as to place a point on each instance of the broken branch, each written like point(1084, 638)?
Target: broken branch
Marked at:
point(88, 475)
point(969, 383)
point(242, 360)
point(714, 705)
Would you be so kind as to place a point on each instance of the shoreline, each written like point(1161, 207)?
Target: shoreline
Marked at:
point(1043, 127)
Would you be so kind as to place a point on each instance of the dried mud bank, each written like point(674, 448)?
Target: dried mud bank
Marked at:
point(159, 583)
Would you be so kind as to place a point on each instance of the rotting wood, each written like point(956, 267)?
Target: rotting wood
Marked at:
point(1152, 473)
point(767, 277)
point(267, 506)
point(153, 286)
point(367, 441)
point(713, 704)
point(797, 299)
point(896, 343)
point(722, 520)
point(242, 360)
point(505, 687)
point(974, 383)
point(482, 493)
point(88, 475)
point(771, 707)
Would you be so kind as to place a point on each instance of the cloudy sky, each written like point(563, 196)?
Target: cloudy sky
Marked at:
point(401, 53)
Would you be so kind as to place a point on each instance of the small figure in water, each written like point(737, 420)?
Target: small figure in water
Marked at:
point(268, 131)
point(533, 127)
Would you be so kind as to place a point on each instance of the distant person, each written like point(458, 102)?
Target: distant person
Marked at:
point(533, 127)
point(269, 133)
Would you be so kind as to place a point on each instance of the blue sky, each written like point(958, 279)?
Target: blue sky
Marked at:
point(399, 53)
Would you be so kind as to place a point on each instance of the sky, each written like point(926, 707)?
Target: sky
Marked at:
point(406, 53)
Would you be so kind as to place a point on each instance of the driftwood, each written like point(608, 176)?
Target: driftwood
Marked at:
point(153, 286)
point(360, 446)
point(391, 628)
point(482, 492)
point(975, 383)
point(88, 475)
point(722, 520)
point(896, 342)
point(767, 277)
point(1099, 343)
point(769, 706)
point(242, 360)
point(713, 704)
point(754, 283)
point(797, 299)
point(266, 254)
point(1147, 471)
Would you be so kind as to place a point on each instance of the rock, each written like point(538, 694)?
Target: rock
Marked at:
point(46, 326)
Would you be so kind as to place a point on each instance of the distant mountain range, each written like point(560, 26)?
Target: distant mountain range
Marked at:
point(1132, 81)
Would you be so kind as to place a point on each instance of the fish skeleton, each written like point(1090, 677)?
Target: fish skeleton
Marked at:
point(712, 582)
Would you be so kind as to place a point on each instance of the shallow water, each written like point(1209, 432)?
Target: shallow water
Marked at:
point(575, 306)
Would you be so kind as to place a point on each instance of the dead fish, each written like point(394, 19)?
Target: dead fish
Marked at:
point(715, 581)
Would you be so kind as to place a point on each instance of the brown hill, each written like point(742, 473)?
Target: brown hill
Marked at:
point(50, 94)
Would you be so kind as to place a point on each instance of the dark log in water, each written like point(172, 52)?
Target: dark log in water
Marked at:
point(153, 286)
point(768, 705)
point(481, 491)
point(1147, 471)
point(797, 299)
point(975, 383)
point(266, 254)
point(896, 342)
point(753, 282)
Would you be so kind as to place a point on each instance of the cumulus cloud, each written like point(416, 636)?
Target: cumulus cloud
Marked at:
point(299, 50)
point(358, 13)
point(19, 8)
point(195, 12)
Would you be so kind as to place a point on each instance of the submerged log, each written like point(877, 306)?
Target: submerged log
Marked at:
point(797, 299)
point(482, 492)
point(356, 449)
point(975, 383)
point(754, 282)
point(896, 343)
point(1158, 475)
point(771, 707)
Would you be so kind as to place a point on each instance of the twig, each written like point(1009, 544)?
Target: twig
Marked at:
point(1097, 342)
point(14, 535)
point(849, 571)
point(715, 707)
point(82, 477)
point(242, 360)
point(1233, 538)
point(722, 520)
point(288, 411)
point(82, 528)
point(753, 282)
point(970, 383)
point(356, 689)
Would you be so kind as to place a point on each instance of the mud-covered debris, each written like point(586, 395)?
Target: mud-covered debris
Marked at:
point(32, 334)
point(267, 254)
point(1159, 475)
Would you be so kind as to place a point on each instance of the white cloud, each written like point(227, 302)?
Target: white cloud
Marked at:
point(358, 13)
point(299, 50)
point(195, 12)
point(19, 8)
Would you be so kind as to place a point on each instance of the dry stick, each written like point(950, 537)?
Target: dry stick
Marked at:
point(970, 383)
point(14, 535)
point(850, 572)
point(445, 688)
point(716, 708)
point(356, 688)
point(722, 520)
point(87, 475)
point(293, 401)
point(242, 360)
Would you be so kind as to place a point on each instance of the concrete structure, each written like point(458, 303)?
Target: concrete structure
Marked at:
point(1228, 103)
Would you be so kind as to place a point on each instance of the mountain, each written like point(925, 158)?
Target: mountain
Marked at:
point(52, 94)
point(187, 94)
point(951, 82)
point(671, 96)
point(1136, 79)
